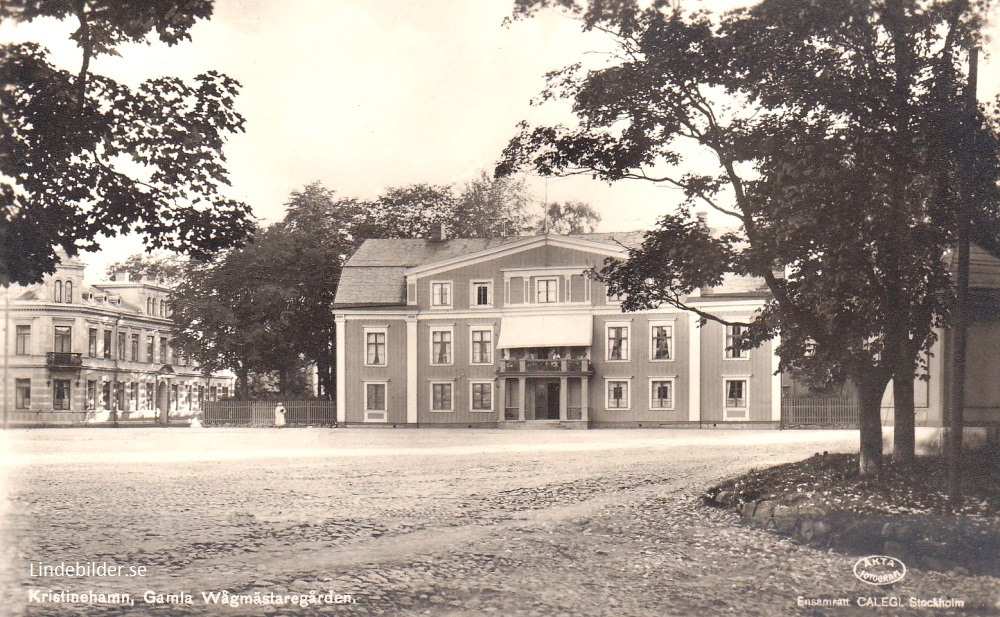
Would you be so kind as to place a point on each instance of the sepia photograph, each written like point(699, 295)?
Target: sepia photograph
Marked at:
point(464, 308)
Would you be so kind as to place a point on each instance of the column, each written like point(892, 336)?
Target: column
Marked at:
point(502, 400)
point(694, 369)
point(411, 369)
point(521, 387)
point(563, 392)
point(341, 325)
point(585, 399)
point(775, 382)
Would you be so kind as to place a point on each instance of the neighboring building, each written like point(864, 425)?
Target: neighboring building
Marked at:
point(513, 331)
point(77, 353)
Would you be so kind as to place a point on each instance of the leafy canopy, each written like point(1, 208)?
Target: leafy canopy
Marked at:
point(82, 155)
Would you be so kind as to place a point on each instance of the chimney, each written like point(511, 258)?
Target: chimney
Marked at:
point(438, 233)
point(120, 276)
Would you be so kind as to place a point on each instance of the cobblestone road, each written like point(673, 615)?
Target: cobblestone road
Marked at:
point(438, 522)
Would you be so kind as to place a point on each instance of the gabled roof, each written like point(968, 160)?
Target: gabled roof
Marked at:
point(375, 275)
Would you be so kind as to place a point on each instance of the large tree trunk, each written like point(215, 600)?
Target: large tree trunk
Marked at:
point(243, 382)
point(904, 431)
point(870, 393)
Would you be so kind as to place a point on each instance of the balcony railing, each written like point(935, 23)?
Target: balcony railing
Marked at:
point(534, 366)
point(62, 359)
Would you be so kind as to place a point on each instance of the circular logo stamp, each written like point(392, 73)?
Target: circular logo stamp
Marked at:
point(879, 570)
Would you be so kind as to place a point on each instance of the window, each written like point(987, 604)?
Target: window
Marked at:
point(61, 394)
point(163, 350)
point(22, 345)
point(375, 402)
point(441, 399)
point(481, 395)
point(122, 340)
point(482, 346)
point(119, 396)
point(22, 394)
point(617, 394)
point(441, 293)
point(661, 342)
point(375, 347)
point(733, 334)
point(92, 343)
point(617, 342)
point(58, 292)
point(133, 396)
point(68, 292)
point(105, 395)
point(150, 396)
point(63, 339)
point(661, 394)
point(440, 346)
point(213, 393)
point(150, 348)
point(225, 392)
point(163, 308)
point(149, 306)
point(547, 290)
point(91, 395)
point(107, 343)
point(482, 293)
point(736, 398)
point(135, 348)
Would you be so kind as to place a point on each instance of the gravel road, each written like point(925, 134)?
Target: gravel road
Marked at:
point(435, 522)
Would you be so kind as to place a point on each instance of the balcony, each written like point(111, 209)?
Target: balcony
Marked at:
point(533, 367)
point(61, 359)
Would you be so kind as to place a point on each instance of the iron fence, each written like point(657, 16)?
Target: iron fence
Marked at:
point(819, 411)
point(261, 413)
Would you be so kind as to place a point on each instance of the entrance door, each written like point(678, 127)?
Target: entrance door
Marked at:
point(547, 400)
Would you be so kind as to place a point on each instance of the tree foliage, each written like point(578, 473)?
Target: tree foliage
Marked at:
point(571, 217)
point(82, 155)
point(836, 130)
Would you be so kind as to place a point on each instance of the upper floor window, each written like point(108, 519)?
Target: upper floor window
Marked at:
point(122, 344)
point(733, 334)
point(150, 304)
point(617, 342)
point(661, 342)
point(68, 292)
point(135, 348)
point(57, 291)
point(22, 345)
point(151, 349)
point(375, 347)
point(107, 343)
point(441, 293)
point(440, 346)
point(63, 339)
point(482, 293)
point(482, 346)
point(92, 342)
point(547, 290)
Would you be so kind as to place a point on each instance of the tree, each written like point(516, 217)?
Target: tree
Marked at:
point(489, 207)
point(161, 266)
point(82, 155)
point(571, 217)
point(825, 123)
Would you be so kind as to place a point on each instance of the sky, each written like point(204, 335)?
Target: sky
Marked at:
point(363, 95)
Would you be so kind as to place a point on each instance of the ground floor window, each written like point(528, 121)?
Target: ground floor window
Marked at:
point(22, 394)
point(661, 394)
point(150, 396)
point(481, 394)
point(618, 395)
point(441, 396)
point(61, 394)
point(105, 395)
point(91, 402)
point(133, 396)
point(737, 400)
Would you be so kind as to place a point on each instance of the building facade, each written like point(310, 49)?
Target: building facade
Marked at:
point(514, 332)
point(76, 353)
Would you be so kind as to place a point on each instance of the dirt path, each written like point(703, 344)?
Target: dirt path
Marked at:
point(424, 522)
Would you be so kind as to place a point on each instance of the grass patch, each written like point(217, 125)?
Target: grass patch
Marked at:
point(833, 483)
